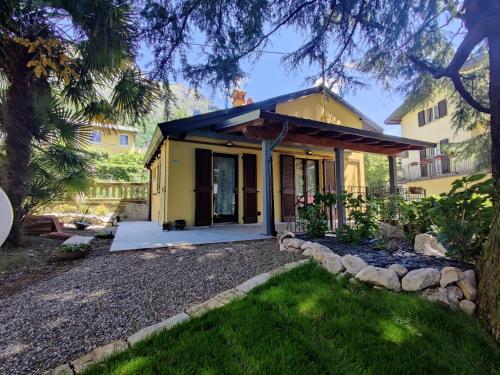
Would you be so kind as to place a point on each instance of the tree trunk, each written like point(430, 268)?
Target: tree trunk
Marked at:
point(18, 128)
point(489, 264)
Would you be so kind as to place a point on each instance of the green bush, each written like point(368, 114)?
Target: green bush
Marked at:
point(316, 223)
point(125, 167)
point(315, 214)
point(73, 248)
point(361, 216)
point(462, 217)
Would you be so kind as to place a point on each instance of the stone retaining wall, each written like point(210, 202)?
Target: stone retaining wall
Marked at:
point(451, 286)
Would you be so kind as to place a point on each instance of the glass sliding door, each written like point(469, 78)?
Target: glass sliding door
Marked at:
point(306, 179)
point(225, 199)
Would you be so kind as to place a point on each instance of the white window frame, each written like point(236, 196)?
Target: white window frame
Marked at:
point(120, 140)
point(92, 137)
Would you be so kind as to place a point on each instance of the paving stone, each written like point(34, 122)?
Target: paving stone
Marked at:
point(61, 370)
point(78, 240)
point(229, 295)
point(204, 307)
point(98, 354)
point(254, 282)
point(163, 325)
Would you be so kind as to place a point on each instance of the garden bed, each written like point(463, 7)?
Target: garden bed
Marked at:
point(405, 255)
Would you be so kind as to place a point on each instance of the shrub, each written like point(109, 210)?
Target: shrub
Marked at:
point(361, 216)
point(315, 214)
point(100, 210)
point(462, 217)
point(73, 248)
point(316, 223)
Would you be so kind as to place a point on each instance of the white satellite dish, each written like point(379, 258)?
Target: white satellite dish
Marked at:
point(6, 216)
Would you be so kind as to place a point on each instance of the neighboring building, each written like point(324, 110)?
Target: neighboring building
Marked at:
point(113, 139)
point(209, 168)
point(433, 169)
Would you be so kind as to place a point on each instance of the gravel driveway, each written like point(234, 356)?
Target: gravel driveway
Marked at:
point(110, 296)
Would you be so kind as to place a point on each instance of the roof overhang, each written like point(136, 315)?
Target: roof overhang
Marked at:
point(256, 125)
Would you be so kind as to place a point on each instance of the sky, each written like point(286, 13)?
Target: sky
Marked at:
point(268, 78)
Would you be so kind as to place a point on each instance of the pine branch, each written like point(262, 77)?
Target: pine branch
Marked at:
point(452, 71)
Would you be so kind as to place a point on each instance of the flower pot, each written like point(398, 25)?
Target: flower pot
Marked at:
point(180, 224)
point(81, 225)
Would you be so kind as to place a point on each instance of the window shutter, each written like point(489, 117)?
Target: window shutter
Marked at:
point(287, 171)
point(421, 118)
point(249, 188)
point(203, 188)
point(443, 110)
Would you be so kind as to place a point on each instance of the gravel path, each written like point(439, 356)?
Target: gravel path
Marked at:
point(110, 296)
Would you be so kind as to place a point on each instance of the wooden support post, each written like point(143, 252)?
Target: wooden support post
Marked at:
point(340, 183)
point(393, 174)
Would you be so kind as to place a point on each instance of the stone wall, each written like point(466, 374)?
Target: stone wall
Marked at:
point(450, 286)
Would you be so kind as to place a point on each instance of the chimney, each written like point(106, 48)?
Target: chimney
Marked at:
point(238, 97)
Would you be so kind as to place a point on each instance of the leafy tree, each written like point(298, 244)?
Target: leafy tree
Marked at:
point(408, 43)
point(125, 167)
point(56, 58)
point(376, 170)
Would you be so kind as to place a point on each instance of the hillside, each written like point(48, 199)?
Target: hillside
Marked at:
point(186, 104)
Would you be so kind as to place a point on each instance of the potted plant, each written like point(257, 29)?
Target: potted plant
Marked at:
point(167, 226)
point(104, 235)
point(180, 224)
point(71, 252)
point(80, 223)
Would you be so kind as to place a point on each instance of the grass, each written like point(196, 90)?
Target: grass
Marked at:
point(306, 322)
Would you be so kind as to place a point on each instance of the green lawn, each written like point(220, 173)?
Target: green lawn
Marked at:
point(306, 322)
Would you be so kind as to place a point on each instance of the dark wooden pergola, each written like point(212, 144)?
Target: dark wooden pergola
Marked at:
point(259, 124)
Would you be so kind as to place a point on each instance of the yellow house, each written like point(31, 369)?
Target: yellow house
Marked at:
point(432, 168)
point(256, 161)
point(113, 139)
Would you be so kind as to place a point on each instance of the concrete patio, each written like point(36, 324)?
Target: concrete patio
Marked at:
point(134, 235)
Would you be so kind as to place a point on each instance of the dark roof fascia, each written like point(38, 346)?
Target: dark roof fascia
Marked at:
point(345, 129)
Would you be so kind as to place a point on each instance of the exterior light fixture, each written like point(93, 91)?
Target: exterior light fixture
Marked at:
point(229, 144)
point(309, 152)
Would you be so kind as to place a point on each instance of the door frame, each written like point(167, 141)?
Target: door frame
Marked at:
point(234, 218)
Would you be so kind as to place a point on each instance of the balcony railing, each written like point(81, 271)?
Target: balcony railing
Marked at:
point(435, 168)
point(298, 225)
point(118, 191)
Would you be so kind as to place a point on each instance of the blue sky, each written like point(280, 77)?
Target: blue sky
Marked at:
point(268, 78)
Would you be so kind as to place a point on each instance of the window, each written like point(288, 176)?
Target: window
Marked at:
point(421, 118)
point(433, 113)
point(442, 108)
point(430, 115)
point(123, 140)
point(95, 137)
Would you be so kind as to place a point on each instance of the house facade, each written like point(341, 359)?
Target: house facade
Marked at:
point(253, 162)
point(113, 139)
